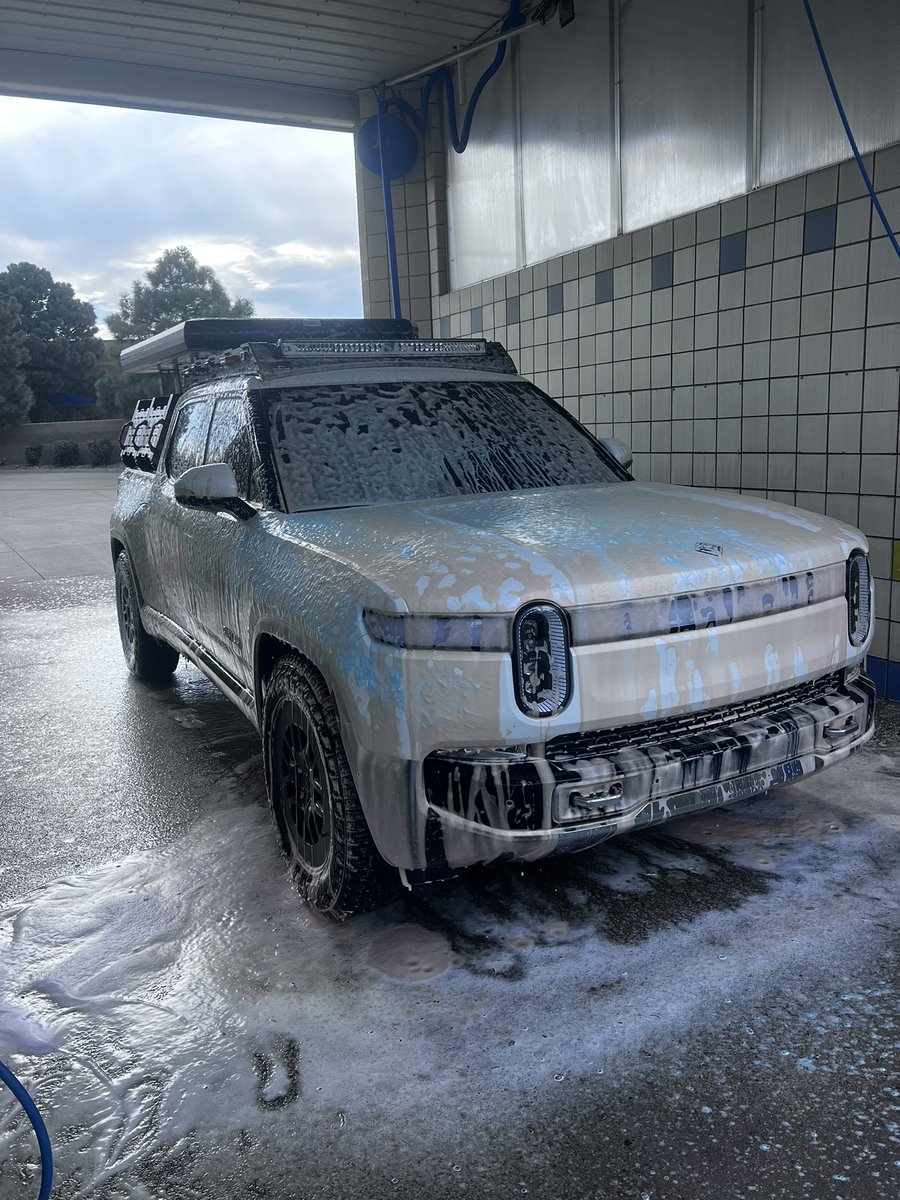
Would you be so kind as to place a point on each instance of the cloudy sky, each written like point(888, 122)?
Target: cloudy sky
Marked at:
point(96, 194)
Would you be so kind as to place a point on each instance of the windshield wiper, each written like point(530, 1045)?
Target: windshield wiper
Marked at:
point(332, 507)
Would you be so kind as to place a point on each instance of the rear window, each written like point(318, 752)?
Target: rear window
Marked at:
point(343, 444)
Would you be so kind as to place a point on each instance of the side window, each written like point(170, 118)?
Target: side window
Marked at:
point(230, 442)
point(188, 438)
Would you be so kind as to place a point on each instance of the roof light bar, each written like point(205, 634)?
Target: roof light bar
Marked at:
point(394, 348)
point(209, 335)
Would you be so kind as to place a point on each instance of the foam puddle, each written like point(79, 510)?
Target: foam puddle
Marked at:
point(183, 998)
point(410, 953)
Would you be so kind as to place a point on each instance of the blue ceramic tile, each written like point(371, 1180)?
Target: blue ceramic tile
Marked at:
point(554, 299)
point(445, 326)
point(893, 682)
point(818, 229)
point(603, 287)
point(477, 325)
point(876, 668)
point(661, 269)
point(733, 252)
point(512, 310)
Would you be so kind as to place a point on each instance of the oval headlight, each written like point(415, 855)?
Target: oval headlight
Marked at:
point(859, 615)
point(541, 660)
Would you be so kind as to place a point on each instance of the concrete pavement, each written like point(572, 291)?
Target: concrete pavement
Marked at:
point(54, 523)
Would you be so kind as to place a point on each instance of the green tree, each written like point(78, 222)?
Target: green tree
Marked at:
point(118, 394)
point(15, 394)
point(177, 288)
point(59, 338)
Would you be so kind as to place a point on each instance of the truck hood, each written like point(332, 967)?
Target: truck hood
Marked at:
point(573, 545)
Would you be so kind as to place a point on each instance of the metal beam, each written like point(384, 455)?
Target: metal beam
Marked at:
point(458, 54)
point(100, 81)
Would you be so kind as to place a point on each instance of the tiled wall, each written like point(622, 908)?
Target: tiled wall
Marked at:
point(753, 345)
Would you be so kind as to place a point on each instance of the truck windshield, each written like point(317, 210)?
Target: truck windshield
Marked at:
point(337, 445)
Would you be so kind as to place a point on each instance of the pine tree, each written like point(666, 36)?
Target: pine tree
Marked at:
point(59, 337)
point(177, 288)
point(15, 395)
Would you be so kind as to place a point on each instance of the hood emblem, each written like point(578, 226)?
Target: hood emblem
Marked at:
point(709, 548)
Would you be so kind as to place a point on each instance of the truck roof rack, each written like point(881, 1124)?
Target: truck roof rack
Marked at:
point(211, 335)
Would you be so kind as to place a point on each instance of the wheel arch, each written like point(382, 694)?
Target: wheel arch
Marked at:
point(268, 651)
point(118, 546)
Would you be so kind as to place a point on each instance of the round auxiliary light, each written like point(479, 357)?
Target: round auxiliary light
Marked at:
point(541, 660)
point(859, 614)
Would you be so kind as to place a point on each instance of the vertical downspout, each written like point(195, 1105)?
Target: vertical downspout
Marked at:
point(387, 197)
point(756, 94)
point(616, 32)
point(515, 68)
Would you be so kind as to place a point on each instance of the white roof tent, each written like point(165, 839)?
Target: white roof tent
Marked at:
point(214, 335)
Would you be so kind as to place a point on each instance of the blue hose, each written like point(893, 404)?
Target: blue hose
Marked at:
point(40, 1129)
point(849, 132)
point(387, 199)
point(459, 138)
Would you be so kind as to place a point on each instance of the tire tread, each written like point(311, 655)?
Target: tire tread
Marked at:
point(151, 659)
point(359, 880)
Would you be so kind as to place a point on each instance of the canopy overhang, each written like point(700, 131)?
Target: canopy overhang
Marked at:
point(296, 63)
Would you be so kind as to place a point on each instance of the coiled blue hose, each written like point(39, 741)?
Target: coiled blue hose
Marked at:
point(40, 1129)
point(459, 138)
point(849, 132)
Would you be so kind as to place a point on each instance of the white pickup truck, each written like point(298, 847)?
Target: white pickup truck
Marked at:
point(464, 632)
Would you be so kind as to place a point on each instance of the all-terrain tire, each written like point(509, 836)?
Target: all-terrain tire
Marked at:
point(323, 831)
point(146, 657)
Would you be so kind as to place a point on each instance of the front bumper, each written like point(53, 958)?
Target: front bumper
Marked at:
point(482, 805)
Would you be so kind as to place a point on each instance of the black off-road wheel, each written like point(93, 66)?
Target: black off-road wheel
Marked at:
point(324, 836)
point(146, 657)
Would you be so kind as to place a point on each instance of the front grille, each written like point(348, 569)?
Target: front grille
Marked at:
point(601, 743)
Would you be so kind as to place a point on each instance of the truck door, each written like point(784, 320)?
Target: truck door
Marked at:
point(220, 573)
point(173, 547)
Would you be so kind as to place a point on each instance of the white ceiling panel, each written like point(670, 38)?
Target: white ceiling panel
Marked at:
point(294, 61)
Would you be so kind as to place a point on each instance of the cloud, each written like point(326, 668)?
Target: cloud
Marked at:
point(95, 194)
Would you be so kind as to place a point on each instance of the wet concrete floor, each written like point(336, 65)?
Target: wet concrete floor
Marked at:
point(705, 1011)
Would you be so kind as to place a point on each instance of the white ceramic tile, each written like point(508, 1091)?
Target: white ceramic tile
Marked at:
point(843, 473)
point(661, 304)
point(761, 207)
point(783, 434)
point(785, 280)
point(759, 283)
point(879, 474)
point(815, 353)
point(784, 357)
point(884, 302)
point(818, 272)
point(883, 346)
point(790, 197)
point(821, 188)
point(879, 432)
point(788, 240)
point(845, 391)
point(760, 245)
